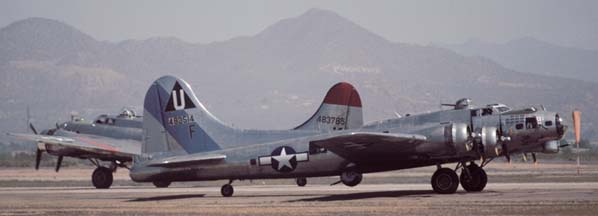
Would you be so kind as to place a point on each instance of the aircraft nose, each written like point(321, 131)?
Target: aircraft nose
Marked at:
point(560, 128)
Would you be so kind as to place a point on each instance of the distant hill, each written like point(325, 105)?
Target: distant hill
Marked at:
point(536, 56)
point(275, 79)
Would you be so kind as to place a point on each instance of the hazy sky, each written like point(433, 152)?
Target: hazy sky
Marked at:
point(568, 23)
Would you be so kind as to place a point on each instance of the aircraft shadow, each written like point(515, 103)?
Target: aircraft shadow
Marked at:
point(170, 197)
point(365, 195)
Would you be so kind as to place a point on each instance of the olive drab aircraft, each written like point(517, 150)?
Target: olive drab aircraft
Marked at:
point(183, 141)
point(108, 142)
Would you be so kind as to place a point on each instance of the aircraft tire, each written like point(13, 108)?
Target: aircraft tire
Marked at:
point(227, 190)
point(445, 181)
point(301, 182)
point(161, 184)
point(351, 178)
point(102, 178)
point(478, 179)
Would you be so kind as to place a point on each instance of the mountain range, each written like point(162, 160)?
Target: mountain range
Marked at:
point(274, 79)
point(531, 55)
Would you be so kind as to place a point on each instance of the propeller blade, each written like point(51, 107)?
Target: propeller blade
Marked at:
point(58, 163)
point(38, 158)
point(524, 157)
point(32, 128)
point(534, 158)
point(508, 158)
point(335, 183)
point(577, 130)
point(577, 126)
point(57, 126)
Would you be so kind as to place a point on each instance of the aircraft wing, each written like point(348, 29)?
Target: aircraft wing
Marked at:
point(184, 160)
point(84, 146)
point(364, 146)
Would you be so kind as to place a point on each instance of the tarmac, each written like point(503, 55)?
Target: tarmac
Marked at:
point(548, 198)
point(513, 189)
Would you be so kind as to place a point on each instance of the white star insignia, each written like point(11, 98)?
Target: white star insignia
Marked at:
point(284, 159)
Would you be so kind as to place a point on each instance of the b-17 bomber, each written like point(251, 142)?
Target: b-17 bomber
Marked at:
point(183, 141)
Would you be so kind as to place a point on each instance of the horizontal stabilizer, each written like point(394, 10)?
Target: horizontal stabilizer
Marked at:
point(185, 160)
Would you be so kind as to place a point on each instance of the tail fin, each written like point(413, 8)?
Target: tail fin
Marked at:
point(174, 121)
point(340, 110)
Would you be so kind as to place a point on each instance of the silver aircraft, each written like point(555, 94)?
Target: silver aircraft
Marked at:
point(116, 139)
point(108, 142)
point(183, 141)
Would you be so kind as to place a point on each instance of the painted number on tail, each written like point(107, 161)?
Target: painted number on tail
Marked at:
point(331, 120)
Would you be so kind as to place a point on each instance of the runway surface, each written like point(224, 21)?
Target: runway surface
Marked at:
point(548, 198)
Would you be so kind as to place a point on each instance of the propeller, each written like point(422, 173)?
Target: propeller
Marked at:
point(32, 128)
point(58, 163)
point(577, 130)
point(38, 158)
point(38, 152)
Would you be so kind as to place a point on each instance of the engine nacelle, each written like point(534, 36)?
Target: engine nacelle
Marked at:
point(461, 138)
point(490, 142)
point(551, 147)
point(455, 137)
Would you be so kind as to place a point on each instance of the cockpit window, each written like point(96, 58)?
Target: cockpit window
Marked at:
point(487, 111)
point(531, 123)
point(101, 120)
point(503, 109)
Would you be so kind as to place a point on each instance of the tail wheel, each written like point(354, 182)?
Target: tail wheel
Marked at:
point(161, 184)
point(445, 181)
point(301, 182)
point(476, 180)
point(102, 178)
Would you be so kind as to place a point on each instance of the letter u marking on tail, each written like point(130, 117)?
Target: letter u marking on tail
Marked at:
point(178, 102)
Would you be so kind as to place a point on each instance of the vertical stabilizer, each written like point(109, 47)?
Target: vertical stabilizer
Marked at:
point(174, 121)
point(340, 110)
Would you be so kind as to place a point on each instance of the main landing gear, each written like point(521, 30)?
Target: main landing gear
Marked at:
point(227, 190)
point(473, 179)
point(350, 178)
point(445, 181)
point(102, 177)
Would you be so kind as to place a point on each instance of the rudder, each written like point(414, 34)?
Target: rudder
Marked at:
point(340, 110)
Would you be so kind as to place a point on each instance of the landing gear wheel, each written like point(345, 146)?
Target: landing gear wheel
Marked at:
point(227, 190)
point(102, 178)
point(445, 181)
point(161, 184)
point(301, 182)
point(476, 180)
point(351, 178)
